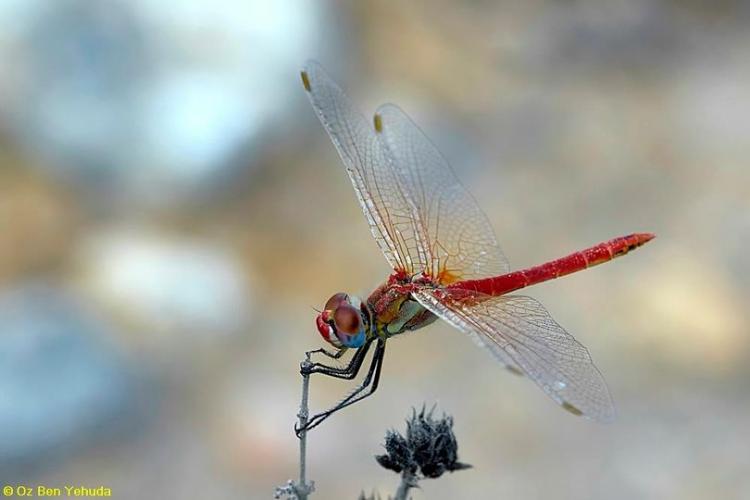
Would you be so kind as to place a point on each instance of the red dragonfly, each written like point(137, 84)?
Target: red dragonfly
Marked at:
point(446, 264)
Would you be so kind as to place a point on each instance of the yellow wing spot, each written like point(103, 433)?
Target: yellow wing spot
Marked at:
point(378, 121)
point(514, 371)
point(572, 409)
point(446, 277)
point(305, 80)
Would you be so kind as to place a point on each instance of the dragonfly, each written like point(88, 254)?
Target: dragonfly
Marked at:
point(446, 263)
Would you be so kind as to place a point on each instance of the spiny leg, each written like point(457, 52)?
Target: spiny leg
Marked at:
point(332, 355)
point(348, 372)
point(372, 379)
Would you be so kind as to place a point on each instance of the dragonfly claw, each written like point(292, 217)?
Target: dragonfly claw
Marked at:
point(297, 430)
point(306, 368)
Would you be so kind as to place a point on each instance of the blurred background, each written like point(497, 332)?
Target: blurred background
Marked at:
point(171, 210)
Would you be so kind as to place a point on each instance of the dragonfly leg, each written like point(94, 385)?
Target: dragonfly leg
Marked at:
point(332, 355)
point(348, 372)
point(369, 384)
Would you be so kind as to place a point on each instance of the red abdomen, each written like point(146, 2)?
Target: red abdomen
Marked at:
point(603, 252)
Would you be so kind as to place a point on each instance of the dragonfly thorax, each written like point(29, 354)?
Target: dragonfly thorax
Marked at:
point(394, 310)
point(344, 321)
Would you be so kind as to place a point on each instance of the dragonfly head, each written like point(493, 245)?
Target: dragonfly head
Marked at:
point(342, 322)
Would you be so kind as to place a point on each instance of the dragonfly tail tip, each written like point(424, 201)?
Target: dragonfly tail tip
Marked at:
point(646, 237)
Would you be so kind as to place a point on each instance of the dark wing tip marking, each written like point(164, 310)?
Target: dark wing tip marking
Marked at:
point(305, 80)
point(572, 409)
point(378, 122)
point(514, 370)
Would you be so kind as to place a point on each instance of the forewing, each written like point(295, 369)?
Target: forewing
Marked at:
point(383, 202)
point(455, 239)
point(520, 329)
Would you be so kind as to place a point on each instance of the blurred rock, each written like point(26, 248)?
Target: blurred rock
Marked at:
point(173, 288)
point(145, 100)
point(61, 383)
point(39, 222)
point(706, 333)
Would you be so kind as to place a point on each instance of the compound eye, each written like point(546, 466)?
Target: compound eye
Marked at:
point(335, 301)
point(347, 319)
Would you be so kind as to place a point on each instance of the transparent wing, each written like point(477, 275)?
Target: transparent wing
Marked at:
point(455, 239)
point(384, 203)
point(420, 215)
point(520, 330)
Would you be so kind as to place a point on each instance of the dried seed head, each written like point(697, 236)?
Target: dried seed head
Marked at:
point(429, 446)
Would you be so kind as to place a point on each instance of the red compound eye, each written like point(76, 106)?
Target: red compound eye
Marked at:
point(335, 301)
point(326, 331)
point(347, 319)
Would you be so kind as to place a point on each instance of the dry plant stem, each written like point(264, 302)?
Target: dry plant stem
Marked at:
point(408, 481)
point(302, 488)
